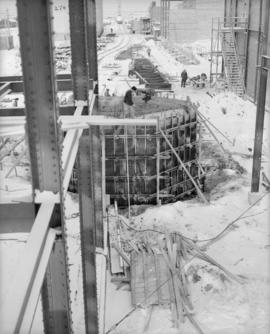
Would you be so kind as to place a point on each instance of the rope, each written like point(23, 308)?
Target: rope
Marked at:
point(210, 240)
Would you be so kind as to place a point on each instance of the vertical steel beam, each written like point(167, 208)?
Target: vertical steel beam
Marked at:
point(56, 319)
point(40, 92)
point(266, 27)
point(92, 39)
point(79, 64)
point(96, 155)
point(34, 18)
point(87, 225)
point(84, 65)
point(256, 168)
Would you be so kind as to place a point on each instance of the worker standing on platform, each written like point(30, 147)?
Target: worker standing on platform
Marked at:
point(184, 77)
point(128, 103)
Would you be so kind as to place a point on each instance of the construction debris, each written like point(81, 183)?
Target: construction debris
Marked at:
point(159, 267)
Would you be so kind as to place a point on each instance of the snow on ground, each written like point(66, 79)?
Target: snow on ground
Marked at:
point(220, 307)
point(12, 64)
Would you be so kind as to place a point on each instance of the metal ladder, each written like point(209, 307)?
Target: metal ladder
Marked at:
point(232, 64)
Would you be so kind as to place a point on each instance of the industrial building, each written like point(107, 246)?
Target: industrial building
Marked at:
point(134, 167)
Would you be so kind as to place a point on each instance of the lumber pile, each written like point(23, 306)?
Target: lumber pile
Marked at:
point(157, 267)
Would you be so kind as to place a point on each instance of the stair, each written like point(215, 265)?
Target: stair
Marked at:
point(146, 70)
point(232, 65)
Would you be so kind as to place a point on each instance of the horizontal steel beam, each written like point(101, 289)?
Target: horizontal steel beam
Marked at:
point(16, 297)
point(17, 86)
point(64, 110)
point(16, 217)
point(5, 88)
point(265, 62)
point(64, 83)
point(20, 78)
point(81, 122)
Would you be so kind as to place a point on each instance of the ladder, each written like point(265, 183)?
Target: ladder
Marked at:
point(232, 66)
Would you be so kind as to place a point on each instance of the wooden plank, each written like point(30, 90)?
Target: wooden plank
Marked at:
point(148, 319)
point(122, 254)
point(39, 278)
point(14, 301)
point(81, 121)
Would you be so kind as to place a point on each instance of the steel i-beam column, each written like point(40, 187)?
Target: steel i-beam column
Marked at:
point(88, 236)
point(95, 148)
point(40, 92)
point(92, 40)
point(84, 25)
point(79, 61)
point(34, 18)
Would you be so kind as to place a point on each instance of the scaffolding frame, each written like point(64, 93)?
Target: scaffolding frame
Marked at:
point(219, 26)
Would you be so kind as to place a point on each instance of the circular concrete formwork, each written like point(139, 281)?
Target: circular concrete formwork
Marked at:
point(140, 165)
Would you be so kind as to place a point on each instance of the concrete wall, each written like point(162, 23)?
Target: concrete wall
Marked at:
point(192, 20)
point(256, 11)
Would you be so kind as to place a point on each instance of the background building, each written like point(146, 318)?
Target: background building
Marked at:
point(190, 20)
point(257, 38)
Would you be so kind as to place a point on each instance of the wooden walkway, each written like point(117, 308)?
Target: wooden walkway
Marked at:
point(151, 282)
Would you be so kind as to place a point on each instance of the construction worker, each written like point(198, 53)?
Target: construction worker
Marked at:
point(131, 69)
point(128, 105)
point(203, 79)
point(147, 95)
point(184, 77)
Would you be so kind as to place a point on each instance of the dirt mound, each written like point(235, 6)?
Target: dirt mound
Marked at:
point(219, 167)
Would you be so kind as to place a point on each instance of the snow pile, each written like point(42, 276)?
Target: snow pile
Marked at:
point(10, 62)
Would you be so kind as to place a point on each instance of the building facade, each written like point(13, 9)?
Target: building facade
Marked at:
point(257, 39)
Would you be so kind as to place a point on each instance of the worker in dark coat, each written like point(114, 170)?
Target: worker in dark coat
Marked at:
point(148, 95)
point(184, 77)
point(128, 102)
point(203, 79)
